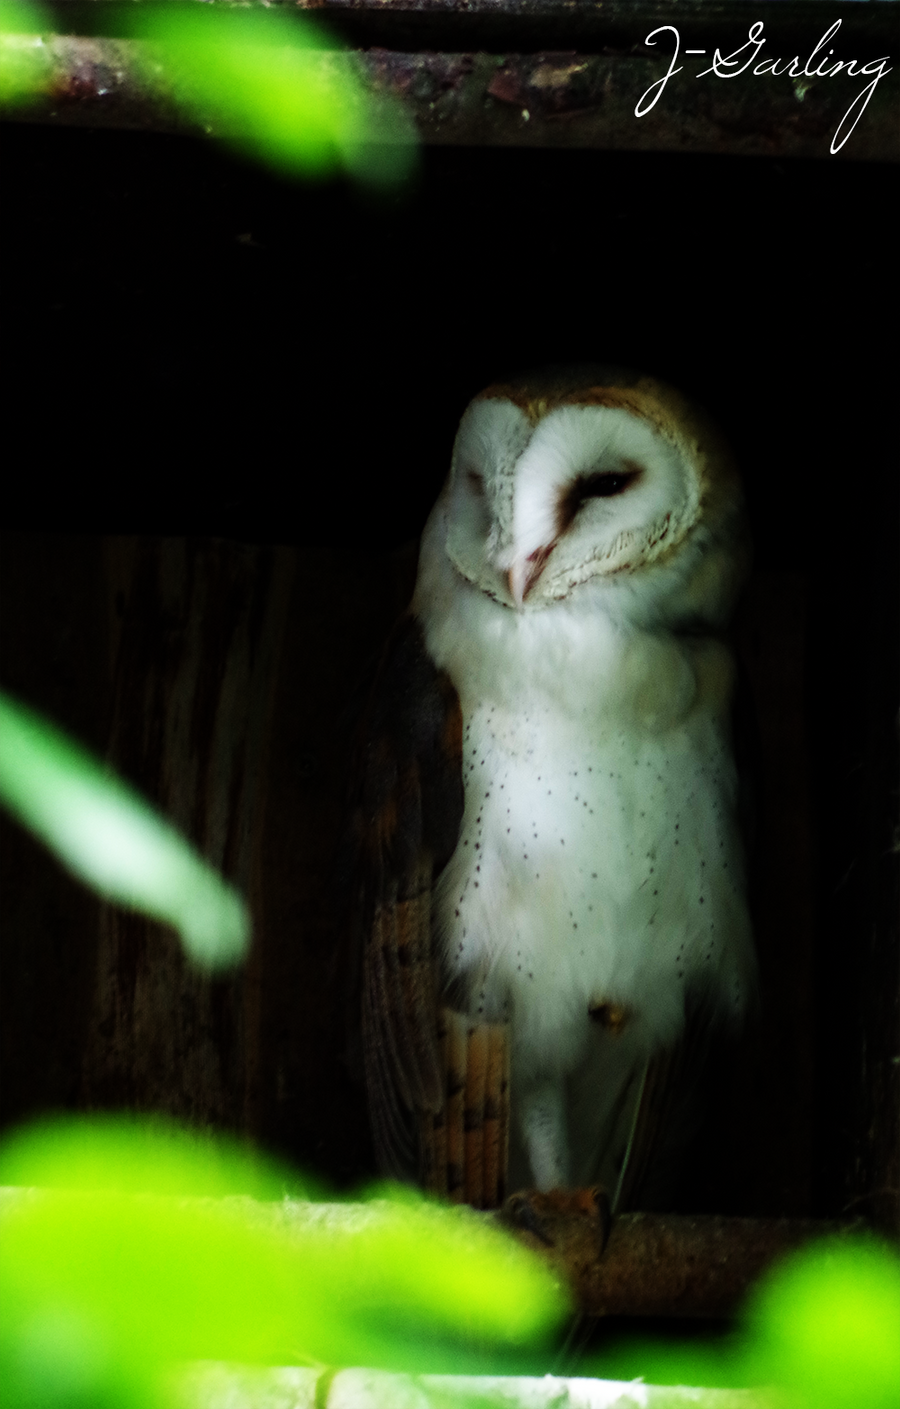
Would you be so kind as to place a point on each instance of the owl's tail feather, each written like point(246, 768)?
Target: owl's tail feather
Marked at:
point(661, 1152)
point(639, 1136)
point(465, 1145)
point(660, 1074)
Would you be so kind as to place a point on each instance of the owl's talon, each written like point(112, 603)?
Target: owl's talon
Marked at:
point(519, 1212)
point(554, 1216)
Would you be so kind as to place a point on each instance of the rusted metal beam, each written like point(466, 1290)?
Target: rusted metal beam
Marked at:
point(657, 1264)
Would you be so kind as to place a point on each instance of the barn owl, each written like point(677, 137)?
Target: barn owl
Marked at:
point(551, 874)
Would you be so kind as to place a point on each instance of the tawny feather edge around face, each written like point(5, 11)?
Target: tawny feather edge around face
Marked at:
point(540, 547)
point(664, 407)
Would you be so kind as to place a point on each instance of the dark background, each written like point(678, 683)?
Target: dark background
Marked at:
point(192, 345)
point(195, 349)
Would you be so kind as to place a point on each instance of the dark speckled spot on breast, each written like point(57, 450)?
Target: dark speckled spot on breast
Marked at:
point(611, 1016)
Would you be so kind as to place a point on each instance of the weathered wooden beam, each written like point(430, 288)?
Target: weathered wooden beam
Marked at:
point(670, 1265)
point(532, 26)
point(649, 1264)
point(581, 100)
point(517, 74)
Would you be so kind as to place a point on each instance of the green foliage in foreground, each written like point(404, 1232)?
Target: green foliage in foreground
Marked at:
point(826, 1327)
point(108, 837)
point(822, 1329)
point(268, 83)
point(22, 65)
point(130, 1252)
point(273, 85)
point(122, 1255)
point(116, 1267)
point(125, 1247)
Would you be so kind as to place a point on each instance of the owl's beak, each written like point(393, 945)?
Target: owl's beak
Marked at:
point(525, 572)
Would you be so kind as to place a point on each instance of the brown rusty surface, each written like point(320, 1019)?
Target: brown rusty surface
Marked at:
point(562, 98)
point(665, 1264)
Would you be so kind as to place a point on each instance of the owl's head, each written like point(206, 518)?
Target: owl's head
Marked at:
point(588, 475)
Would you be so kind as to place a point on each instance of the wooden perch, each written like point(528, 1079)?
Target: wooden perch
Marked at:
point(647, 1264)
point(663, 1264)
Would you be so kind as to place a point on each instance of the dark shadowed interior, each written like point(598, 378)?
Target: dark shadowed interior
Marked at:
point(229, 404)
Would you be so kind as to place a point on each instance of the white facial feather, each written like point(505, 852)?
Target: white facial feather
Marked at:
point(485, 456)
point(599, 859)
point(513, 493)
point(572, 444)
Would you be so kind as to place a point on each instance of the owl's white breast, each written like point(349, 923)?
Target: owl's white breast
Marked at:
point(599, 858)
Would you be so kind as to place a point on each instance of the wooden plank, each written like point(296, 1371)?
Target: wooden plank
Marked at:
point(555, 74)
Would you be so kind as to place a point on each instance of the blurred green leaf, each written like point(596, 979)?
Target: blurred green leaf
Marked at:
point(114, 841)
point(822, 1329)
point(825, 1327)
point(276, 86)
point(279, 88)
point(678, 1360)
point(150, 1154)
point(104, 1288)
point(23, 59)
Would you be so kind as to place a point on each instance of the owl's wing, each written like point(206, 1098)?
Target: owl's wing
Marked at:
point(406, 816)
point(674, 1122)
